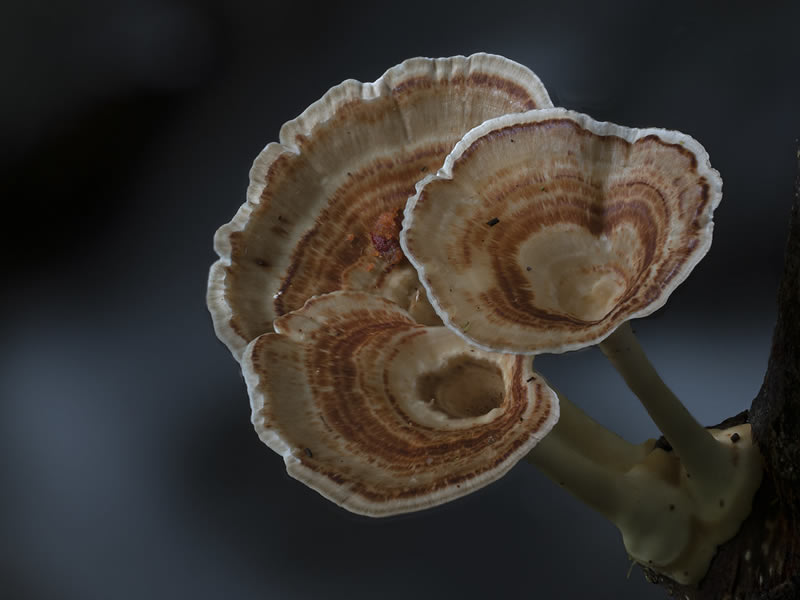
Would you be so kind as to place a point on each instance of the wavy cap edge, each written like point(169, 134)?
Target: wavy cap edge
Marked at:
point(304, 124)
point(355, 503)
point(602, 128)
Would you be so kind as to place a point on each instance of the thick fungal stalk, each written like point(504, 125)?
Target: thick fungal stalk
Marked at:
point(671, 519)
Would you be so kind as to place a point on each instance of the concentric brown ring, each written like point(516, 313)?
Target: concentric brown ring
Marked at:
point(544, 231)
point(350, 158)
point(341, 392)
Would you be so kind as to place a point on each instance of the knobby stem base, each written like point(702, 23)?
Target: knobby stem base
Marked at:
point(668, 522)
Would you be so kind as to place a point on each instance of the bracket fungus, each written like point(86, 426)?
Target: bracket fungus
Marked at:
point(384, 415)
point(317, 207)
point(543, 231)
point(547, 231)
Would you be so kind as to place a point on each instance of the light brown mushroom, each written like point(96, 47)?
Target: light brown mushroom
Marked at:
point(577, 226)
point(324, 205)
point(383, 415)
point(545, 231)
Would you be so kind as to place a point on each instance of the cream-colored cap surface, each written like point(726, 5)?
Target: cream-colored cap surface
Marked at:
point(320, 202)
point(383, 415)
point(546, 230)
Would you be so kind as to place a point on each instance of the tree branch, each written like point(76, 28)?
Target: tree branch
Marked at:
point(762, 562)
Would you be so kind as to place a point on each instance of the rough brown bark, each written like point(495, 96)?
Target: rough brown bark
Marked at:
point(763, 561)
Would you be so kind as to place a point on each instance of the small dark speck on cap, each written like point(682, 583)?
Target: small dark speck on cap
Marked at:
point(531, 378)
point(493, 222)
point(529, 268)
point(308, 452)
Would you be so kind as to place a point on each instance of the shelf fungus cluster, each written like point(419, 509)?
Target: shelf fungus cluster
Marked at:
point(405, 248)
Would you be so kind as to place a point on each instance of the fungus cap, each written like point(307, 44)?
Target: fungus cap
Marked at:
point(383, 415)
point(320, 204)
point(546, 230)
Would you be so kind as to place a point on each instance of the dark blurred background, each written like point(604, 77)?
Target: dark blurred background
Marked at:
point(129, 466)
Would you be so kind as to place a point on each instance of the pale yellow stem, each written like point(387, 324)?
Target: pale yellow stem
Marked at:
point(701, 456)
point(668, 521)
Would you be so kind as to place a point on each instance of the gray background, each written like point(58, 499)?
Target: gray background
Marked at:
point(129, 467)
